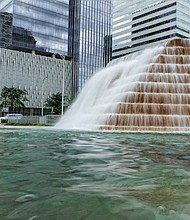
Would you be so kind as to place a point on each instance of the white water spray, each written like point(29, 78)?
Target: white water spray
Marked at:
point(103, 92)
point(145, 91)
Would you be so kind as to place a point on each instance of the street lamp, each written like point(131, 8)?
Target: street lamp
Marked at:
point(43, 94)
point(63, 88)
point(62, 102)
point(1, 101)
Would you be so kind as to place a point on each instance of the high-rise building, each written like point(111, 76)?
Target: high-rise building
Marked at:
point(141, 23)
point(89, 38)
point(33, 24)
point(34, 48)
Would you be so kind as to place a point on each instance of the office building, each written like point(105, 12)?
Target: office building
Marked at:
point(34, 48)
point(138, 24)
point(39, 25)
point(89, 38)
point(40, 76)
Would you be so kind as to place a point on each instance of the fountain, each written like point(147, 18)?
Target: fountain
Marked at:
point(144, 91)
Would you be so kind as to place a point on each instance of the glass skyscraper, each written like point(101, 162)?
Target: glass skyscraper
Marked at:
point(89, 37)
point(141, 23)
point(35, 24)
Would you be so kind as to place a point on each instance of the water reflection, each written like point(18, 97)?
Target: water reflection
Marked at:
point(50, 175)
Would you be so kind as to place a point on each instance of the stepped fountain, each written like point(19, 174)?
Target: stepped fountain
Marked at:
point(144, 91)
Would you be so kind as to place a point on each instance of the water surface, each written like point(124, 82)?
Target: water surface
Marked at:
point(62, 175)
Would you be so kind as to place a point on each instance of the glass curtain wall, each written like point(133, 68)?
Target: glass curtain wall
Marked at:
point(90, 47)
point(40, 25)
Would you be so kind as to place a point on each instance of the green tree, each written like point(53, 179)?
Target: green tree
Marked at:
point(55, 102)
point(13, 97)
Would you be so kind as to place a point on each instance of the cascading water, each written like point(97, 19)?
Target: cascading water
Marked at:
point(147, 91)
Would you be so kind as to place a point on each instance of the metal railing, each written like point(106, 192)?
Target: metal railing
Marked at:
point(33, 120)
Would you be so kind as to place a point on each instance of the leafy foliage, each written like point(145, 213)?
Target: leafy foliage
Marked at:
point(55, 102)
point(13, 97)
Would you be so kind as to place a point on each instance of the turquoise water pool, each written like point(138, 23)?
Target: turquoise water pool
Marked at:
point(60, 175)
